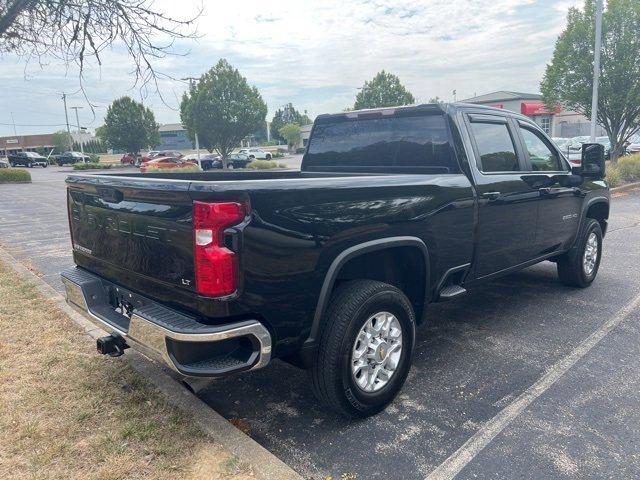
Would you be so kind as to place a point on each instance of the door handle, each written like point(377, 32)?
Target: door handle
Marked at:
point(545, 190)
point(491, 195)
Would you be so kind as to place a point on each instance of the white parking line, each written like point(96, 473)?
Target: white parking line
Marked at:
point(472, 447)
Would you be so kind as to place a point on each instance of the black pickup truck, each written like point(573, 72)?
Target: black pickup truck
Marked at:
point(331, 267)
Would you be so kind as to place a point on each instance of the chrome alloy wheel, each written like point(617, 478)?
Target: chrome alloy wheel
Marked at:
point(376, 352)
point(590, 257)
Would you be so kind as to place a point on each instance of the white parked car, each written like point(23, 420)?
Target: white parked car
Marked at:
point(256, 153)
point(634, 144)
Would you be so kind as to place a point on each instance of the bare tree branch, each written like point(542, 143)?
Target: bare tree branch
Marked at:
point(78, 32)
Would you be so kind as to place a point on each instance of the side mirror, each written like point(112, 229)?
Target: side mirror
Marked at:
point(593, 165)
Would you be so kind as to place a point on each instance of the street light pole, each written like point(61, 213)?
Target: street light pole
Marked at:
point(596, 70)
point(192, 85)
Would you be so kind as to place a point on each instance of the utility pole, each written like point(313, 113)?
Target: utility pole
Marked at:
point(14, 125)
point(192, 86)
point(66, 116)
point(79, 130)
point(596, 70)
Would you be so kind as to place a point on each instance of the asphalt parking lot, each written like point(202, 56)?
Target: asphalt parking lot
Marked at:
point(475, 360)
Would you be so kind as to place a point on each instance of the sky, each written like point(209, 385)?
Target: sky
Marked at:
point(314, 54)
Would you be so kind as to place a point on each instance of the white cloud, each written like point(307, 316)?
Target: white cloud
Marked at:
point(316, 54)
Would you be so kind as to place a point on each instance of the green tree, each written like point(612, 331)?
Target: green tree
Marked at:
point(291, 133)
point(384, 90)
point(61, 141)
point(222, 108)
point(285, 115)
point(130, 126)
point(568, 79)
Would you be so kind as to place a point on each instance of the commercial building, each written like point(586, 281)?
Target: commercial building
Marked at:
point(556, 123)
point(173, 136)
point(30, 143)
point(305, 132)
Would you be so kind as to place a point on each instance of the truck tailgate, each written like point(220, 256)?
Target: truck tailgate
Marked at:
point(134, 225)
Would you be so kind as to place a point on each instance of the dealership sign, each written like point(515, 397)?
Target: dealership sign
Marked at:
point(537, 108)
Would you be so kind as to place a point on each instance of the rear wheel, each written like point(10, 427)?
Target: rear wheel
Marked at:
point(30, 165)
point(580, 268)
point(365, 348)
point(268, 157)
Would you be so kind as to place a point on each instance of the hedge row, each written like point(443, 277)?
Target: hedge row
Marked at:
point(91, 166)
point(625, 170)
point(14, 175)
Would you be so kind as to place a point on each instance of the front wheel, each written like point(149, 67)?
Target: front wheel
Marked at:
point(580, 269)
point(365, 348)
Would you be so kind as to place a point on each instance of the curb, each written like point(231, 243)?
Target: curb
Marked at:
point(624, 188)
point(265, 465)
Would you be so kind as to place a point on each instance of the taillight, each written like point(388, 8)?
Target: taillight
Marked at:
point(216, 267)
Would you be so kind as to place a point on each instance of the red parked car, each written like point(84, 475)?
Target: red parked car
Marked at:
point(130, 159)
point(166, 163)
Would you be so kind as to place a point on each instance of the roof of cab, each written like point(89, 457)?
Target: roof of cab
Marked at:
point(411, 109)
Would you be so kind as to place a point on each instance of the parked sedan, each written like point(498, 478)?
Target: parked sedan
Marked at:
point(574, 152)
point(634, 144)
point(4, 163)
point(72, 157)
point(166, 163)
point(206, 160)
point(130, 159)
point(27, 159)
point(256, 153)
point(236, 160)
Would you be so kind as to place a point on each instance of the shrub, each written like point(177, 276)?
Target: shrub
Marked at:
point(14, 175)
point(277, 154)
point(193, 169)
point(629, 168)
point(91, 166)
point(613, 176)
point(263, 165)
point(300, 150)
point(93, 158)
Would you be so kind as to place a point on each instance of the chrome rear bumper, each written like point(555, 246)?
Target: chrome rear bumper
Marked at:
point(190, 348)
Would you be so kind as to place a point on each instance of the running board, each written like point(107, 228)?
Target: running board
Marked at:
point(451, 291)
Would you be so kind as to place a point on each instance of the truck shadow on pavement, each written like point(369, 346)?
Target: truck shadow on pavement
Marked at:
point(473, 355)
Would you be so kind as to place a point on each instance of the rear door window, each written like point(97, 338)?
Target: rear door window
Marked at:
point(495, 147)
point(398, 143)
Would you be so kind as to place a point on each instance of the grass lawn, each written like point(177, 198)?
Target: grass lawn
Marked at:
point(67, 412)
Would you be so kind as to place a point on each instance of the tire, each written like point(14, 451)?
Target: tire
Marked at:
point(231, 166)
point(29, 165)
point(333, 378)
point(580, 268)
point(45, 165)
point(268, 157)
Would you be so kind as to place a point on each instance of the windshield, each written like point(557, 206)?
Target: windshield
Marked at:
point(32, 154)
